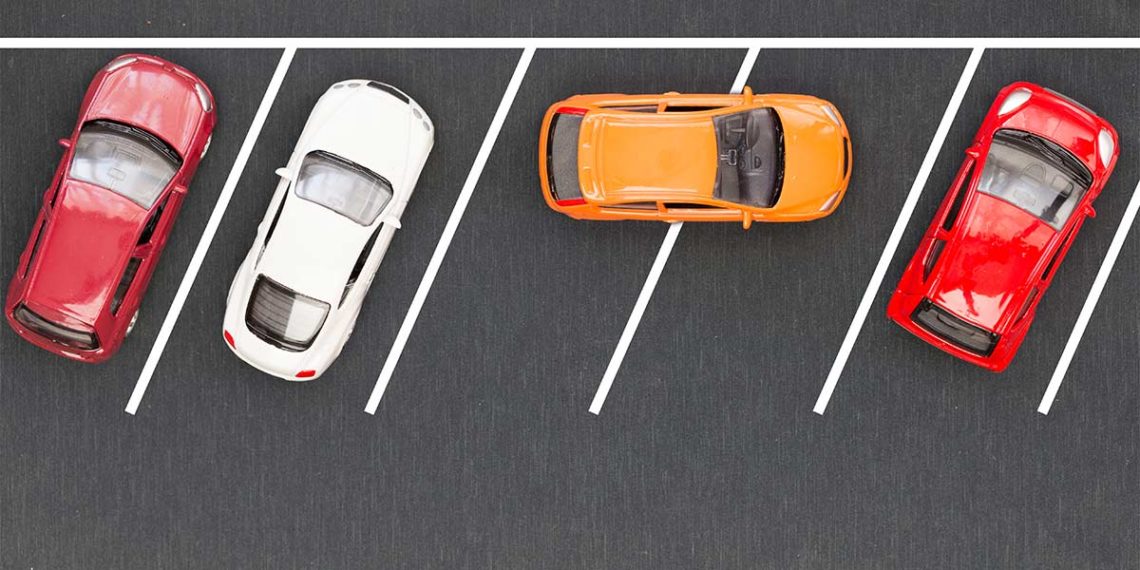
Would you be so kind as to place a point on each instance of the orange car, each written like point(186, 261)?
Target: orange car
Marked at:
point(700, 158)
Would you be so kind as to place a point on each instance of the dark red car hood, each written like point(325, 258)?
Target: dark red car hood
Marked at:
point(986, 270)
point(152, 98)
point(83, 252)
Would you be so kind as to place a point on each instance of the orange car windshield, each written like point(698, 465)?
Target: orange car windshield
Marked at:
point(750, 163)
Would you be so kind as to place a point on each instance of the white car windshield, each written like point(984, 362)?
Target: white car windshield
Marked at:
point(127, 161)
point(283, 317)
point(343, 187)
point(1035, 175)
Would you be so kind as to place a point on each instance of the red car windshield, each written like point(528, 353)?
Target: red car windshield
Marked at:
point(1035, 175)
point(125, 160)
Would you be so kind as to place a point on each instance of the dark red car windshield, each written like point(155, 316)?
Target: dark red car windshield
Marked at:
point(127, 161)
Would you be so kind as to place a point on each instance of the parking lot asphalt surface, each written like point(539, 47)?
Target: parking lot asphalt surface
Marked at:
point(777, 18)
point(482, 453)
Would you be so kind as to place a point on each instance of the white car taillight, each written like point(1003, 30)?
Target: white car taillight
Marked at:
point(121, 62)
point(1014, 100)
point(1105, 146)
point(203, 97)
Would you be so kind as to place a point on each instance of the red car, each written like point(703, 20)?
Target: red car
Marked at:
point(1016, 205)
point(144, 126)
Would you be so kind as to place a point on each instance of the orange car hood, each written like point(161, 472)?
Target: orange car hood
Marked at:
point(813, 155)
point(626, 158)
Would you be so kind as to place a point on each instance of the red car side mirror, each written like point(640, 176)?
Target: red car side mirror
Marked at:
point(1090, 212)
point(973, 152)
point(65, 143)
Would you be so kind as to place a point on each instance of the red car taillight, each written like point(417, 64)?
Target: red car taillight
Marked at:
point(306, 374)
point(229, 338)
point(570, 111)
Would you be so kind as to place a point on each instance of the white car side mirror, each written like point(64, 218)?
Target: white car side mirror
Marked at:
point(284, 173)
point(391, 220)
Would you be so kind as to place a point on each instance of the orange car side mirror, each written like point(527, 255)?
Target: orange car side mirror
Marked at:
point(747, 97)
point(747, 218)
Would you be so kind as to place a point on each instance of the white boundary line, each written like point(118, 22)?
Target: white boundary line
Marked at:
point(655, 271)
point(900, 227)
point(572, 43)
point(211, 229)
point(449, 231)
point(1090, 302)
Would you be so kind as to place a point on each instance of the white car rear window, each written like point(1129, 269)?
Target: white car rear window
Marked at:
point(343, 187)
point(284, 317)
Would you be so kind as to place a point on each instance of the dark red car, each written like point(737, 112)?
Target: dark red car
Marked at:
point(1016, 205)
point(144, 126)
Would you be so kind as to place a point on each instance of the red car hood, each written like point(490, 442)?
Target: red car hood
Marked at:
point(152, 98)
point(986, 271)
point(84, 252)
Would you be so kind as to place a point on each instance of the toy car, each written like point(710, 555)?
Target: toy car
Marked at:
point(296, 297)
point(1015, 207)
point(700, 158)
point(144, 125)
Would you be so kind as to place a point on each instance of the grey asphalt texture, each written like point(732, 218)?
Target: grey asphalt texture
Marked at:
point(482, 453)
point(430, 18)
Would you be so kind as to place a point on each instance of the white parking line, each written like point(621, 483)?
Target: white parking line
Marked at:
point(449, 231)
point(897, 232)
point(211, 229)
point(1090, 303)
point(655, 272)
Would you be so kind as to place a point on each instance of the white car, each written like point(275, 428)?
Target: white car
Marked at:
point(295, 298)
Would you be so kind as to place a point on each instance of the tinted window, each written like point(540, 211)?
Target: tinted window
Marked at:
point(56, 333)
point(283, 317)
point(690, 206)
point(562, 156)
point(956, 206)
point(636, 205)
point(124, 285)
point(1035, 175)
point(125, 160)
point(750, 163)
point(343, 187)
point(35, 248)
point(954, 330)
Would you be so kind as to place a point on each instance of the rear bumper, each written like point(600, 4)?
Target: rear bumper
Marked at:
point(89, 356)
point(902, 305)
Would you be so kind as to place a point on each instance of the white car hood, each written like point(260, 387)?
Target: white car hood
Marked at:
point(368, 127)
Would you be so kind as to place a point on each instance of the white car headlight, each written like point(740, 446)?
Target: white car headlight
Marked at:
point(121, 62)
point(1105, 146)
point(1014, 100)
point(203, 97)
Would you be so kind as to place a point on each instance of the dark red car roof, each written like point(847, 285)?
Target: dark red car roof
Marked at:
point(84, 252)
